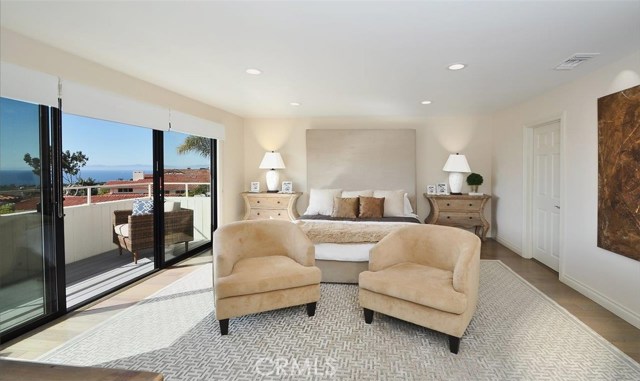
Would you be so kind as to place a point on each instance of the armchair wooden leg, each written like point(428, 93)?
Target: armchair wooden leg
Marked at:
point(368, 316)
point(224, 326)
point(311, 309)
point(454, 344)
point(119, 250)
point(186, 247)
point(135, 258)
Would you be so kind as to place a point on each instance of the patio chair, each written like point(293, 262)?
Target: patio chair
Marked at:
point(135, 233)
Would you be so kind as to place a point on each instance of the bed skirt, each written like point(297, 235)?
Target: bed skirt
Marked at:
point(341, 271)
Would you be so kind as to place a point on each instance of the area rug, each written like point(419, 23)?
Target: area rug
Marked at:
point(517, 334)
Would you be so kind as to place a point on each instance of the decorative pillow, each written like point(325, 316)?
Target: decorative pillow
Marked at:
point(408, 209)
point(345, 207)
point(394, 202)
point(321, 201)
point(361, 193)
point(142, 207)
point(371, 207)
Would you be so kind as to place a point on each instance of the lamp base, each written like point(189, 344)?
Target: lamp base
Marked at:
point(455, 182)
point(456, 193)
point(272, 181)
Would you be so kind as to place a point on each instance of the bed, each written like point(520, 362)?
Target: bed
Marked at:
point(342, 245)
point(349, 163)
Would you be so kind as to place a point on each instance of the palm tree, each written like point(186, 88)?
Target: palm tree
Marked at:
point(196, 144)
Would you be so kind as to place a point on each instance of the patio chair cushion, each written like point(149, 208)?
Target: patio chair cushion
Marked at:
point(122, 230)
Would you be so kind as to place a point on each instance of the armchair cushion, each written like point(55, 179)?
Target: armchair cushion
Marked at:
point(264, 274)
point(122, 229)
point(424, 285)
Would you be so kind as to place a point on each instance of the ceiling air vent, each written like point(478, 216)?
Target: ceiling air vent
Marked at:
point(575, 60)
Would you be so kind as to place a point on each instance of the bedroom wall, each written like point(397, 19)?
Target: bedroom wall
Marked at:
point(436, 138)
point(610, 279)
point(29, 53)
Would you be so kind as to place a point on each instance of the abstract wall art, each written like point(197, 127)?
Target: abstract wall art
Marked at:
point(619, 172)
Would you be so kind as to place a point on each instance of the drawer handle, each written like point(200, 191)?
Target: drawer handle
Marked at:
point(257, 202)
point(471, 218)
point(278, 202)
point(258, 213)
point(448, 204)
point(278, 213)
point(448, 217)
point(470, 204)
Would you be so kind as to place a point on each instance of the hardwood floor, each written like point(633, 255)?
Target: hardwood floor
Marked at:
point(620, 333)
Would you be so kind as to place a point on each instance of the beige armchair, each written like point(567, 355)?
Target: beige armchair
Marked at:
point(262, 265)
point(424, 274)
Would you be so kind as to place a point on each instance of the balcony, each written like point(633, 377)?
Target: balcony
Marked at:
point(93, 263)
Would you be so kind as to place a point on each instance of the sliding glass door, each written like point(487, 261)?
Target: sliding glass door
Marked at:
point(108, 204)
point(28, 282)
point(187, 193)
point(88, 206)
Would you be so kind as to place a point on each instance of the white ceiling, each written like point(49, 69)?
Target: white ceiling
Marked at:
point(357, 58)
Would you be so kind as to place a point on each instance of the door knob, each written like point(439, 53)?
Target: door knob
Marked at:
point(557, 206)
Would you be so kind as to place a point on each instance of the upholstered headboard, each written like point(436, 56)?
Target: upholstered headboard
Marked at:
point(362, 159)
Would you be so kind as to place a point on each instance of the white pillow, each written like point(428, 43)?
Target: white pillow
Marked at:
point(393, 202)
point(321, 201)
point(361, 193)
point(408, 210)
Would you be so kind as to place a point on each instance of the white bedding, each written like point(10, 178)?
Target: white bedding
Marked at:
point(347, 252)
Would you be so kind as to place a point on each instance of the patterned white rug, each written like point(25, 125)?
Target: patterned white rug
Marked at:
point(516, 334)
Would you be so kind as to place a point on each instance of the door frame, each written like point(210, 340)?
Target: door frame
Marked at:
point(527, 185)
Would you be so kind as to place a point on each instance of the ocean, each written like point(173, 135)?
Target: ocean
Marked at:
point(26, 177)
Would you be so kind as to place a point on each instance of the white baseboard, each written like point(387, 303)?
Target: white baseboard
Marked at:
point(508, 245)
point(619, 310)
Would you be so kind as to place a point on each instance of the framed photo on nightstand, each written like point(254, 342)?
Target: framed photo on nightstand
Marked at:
point(255, 187)
point(287, 187)
point(431, 189)
point(442, 188)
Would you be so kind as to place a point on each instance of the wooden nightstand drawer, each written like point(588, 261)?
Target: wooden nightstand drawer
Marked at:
point(268, 203)
point(268, 214)
point(446, 218)
point(460, 204)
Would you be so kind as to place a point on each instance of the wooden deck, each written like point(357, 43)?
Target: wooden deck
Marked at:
point(95, 275)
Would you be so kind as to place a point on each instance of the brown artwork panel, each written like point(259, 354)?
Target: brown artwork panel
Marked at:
point(619, 172)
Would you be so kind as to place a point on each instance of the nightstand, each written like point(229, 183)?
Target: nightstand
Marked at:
point(462, 211)
point(270, 206)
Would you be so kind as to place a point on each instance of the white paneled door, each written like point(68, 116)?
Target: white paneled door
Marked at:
point(546, 194)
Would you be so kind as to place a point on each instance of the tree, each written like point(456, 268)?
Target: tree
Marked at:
point(196, 144)
point(71, 164)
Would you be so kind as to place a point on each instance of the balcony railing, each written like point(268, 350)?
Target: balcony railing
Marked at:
point(88, 225)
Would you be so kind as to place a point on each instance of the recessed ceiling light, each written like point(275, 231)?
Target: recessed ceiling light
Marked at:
point(294, 104)
point(254, 71)
point(426, 102)
point(457, 66)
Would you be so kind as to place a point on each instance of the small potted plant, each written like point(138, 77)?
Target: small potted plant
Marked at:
point(474, 180)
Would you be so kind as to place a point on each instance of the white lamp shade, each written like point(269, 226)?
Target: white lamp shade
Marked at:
point(272, 160)
point(456, 163)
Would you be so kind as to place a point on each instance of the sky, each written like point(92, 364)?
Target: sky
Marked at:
point(19, 133)
point(108, 145)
